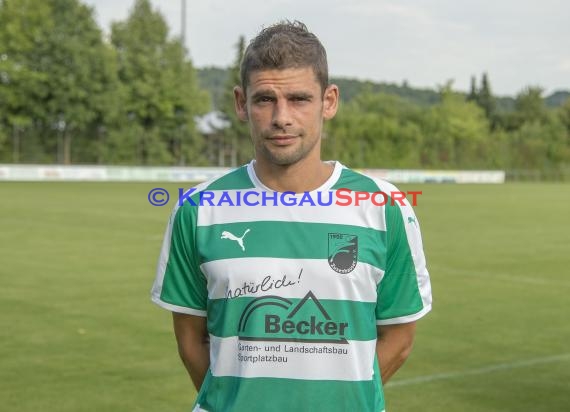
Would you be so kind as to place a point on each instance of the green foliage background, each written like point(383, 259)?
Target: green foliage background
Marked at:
point(67, 95)
point(70, 95)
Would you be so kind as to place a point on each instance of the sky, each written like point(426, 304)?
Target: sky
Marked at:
point(518, 43)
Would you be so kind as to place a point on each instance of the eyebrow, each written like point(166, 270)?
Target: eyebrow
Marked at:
point(264, 92)
point(271, 93)
point(302, 95)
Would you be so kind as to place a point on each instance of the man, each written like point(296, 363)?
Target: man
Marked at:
point(286, 305)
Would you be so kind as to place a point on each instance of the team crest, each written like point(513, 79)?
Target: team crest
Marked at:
point(343, 252)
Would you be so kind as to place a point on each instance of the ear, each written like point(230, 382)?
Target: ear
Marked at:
point(330, 101)
point(240, 103)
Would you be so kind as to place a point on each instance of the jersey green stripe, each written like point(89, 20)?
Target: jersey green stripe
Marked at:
point(183, 283)
point(398, 296)
point(398, 291)
point(246, 317)
point(272, 395)
point(288, 240)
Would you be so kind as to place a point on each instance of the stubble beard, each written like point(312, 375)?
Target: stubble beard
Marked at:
point(284, 156)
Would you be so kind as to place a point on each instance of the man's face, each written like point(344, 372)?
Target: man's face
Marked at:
point(285, 110)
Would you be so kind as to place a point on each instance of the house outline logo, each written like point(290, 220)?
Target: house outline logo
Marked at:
point(290, 328)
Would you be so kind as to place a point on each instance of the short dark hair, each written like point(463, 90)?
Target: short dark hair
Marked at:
point(285, 45)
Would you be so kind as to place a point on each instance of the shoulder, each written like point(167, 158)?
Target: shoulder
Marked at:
point(395, 203)
point(233, 180)
point(357, 180)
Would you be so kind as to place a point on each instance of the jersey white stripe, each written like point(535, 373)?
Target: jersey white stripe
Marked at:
point(178, 309)
point(356, 365)
point(290, 278)
point(348, 215)
point(163, 260)
point(405, 319)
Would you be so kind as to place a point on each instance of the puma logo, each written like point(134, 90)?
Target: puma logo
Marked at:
point(231, 236)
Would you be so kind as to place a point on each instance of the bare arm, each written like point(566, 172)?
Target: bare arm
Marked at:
point(193, 345)
point(393, 347)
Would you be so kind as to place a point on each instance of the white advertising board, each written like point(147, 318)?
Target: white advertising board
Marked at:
point(35, 173)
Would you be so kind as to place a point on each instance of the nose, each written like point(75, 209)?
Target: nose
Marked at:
point(282, 116)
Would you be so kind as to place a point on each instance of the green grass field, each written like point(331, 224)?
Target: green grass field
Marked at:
point(79, 333)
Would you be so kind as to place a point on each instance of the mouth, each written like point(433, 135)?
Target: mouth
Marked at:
point(282, 139)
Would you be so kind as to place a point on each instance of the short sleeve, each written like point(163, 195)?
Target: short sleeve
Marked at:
point(404, 292)
point(180, 286)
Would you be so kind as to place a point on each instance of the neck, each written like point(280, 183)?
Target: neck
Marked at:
point(298, 177)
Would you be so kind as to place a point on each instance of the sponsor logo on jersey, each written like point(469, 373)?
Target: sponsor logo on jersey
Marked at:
point(343, 252)
point(277, 319)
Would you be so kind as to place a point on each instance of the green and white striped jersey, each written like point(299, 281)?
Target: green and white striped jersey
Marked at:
point(293, 294)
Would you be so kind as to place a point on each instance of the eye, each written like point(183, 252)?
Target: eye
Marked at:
point(301, 99)
point(263, 99)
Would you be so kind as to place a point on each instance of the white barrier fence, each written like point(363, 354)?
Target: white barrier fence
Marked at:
point(437, 176)
point(39, 173)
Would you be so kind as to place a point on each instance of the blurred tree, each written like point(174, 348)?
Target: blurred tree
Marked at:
point(473, 93)
point(22, 24)
point(455, 133)
point(529, 106)
point(565, 114)
point(236, 136)
point(162, 94)
point(374, 130)
point(539, 137)
point(485, 98)
point(57, 75)
point(213, 79)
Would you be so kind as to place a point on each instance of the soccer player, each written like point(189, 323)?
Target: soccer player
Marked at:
point(290, 305)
